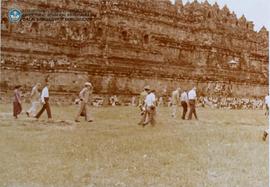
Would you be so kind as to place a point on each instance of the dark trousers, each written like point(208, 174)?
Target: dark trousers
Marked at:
point(192, 109)
point(46, 106)
point(150, 115)
point(184, 105)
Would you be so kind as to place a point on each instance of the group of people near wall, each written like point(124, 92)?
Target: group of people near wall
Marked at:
point(231, 102)
point(148, 103)
point(36, 99)
point(43, 98)
point(217, 102)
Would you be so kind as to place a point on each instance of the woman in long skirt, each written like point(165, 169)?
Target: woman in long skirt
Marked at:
point(17, 104)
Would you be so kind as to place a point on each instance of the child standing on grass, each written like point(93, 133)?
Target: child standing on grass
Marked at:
point(17, 103)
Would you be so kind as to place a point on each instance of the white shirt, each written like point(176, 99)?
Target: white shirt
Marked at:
point(184, 96)
point(150, 99)
point(44, 93)
point(192, 95)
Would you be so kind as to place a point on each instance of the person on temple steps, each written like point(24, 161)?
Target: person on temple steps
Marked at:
point(45, 102)
point(84, 98)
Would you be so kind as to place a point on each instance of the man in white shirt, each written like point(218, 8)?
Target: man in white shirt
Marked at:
point(175, 101)
point(150, 104)
point(45, 102)
point(192, 104)
point(184, 103)
point(35, 100)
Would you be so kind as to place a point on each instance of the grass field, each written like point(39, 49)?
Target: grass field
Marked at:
point(223, 148)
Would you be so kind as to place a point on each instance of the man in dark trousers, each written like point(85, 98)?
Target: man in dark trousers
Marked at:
point(45, 102)
point(184, 103)
point(192, 103)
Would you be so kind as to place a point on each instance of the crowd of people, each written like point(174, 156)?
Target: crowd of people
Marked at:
point(202, 101)
point(43, 99)
point(148, 102)
point(231, 102)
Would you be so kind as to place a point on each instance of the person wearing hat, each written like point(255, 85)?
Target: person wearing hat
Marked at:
point(17, 103)
point(175, 101)
point(84, 98)
point(143, 95)
point(150, 104)
point(192, 103)
point(45, 102)
point(35, 97)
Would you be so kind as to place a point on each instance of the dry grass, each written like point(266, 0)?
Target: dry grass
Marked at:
point(223, 148)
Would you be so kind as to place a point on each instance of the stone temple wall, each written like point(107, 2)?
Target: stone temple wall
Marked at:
point(130, 43)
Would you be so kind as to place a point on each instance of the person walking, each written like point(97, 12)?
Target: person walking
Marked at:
point(84, 98)
point(267, 103)
point(142, 107)
point(184, 103)
point(192, 103)
point(45, 102)
point(17, 103)
point(35, 100)
point(150, 103)
point(175, 101)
